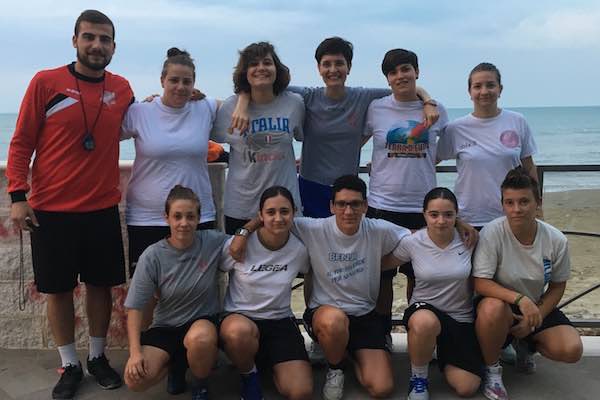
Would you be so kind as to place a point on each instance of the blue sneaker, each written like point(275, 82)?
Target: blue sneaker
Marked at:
point(251, 387)
point(418, 388)
point(200, 393)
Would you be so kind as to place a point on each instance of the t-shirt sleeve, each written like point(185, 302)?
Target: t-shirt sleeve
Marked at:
point(299, 119)
point(402, 251)
point(223, 121)
point(374, 93)
point(562, 262)
point(145, 280)
point(302, 227)
point(301, 90)
point(392, 235)
point(304, 260)
point(129, 126)
point(445, 145)
point(226, 263)
point(529, 146)
point(212, 106)
point(442, 120)
point(485, 261)
point(368, 131)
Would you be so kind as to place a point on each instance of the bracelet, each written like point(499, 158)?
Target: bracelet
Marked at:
point(518, 299)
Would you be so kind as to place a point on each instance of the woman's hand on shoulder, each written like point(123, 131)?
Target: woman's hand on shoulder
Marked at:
point(468, 234)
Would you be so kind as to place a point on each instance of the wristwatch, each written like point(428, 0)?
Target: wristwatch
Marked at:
point(242, 232)
point(431, 102)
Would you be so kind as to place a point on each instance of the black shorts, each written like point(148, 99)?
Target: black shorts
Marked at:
point(170, 339)
point(233, 224)
point(555, 318)
point(140, 237)
point(412, 221)
point(67, 246)
point(280, 341)
point(365, 331)
point(457, 342)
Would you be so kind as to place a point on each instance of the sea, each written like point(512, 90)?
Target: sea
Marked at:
point(564, 135)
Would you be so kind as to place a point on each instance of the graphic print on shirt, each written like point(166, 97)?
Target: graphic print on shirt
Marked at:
point(407, 139)
point(345, 266)
point(268, 268)
point(510, 139)
point(264, 136)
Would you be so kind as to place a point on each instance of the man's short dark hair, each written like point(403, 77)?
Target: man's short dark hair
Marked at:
point(350, 182)
point(335, 45)
point(518, 178)
point(94, 17)
point(396, 57)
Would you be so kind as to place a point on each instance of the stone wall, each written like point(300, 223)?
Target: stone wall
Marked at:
point(28, 328)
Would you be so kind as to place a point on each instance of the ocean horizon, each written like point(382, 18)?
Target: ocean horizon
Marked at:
point(564, 135)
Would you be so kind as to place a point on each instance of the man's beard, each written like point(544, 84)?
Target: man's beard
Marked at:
point(84, 59)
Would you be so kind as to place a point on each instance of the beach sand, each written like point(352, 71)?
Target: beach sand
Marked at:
point(577, 210)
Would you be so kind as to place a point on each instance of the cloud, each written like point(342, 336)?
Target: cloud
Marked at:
point(558, 29)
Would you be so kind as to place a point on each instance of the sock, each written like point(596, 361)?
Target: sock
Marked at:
point(420, 371)
point(68, 355)
point(493, 366)
point(334, 366)
point(97, 345)
point(252, 370)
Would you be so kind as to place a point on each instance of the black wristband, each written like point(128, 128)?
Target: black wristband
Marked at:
point(18, 196)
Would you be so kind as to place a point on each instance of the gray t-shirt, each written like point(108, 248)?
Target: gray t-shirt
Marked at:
point(525, 269)
point(442, 276)
point(346, 269)
point(186, 280)
point(263, 156)
point(260, 287)
point(333, 131)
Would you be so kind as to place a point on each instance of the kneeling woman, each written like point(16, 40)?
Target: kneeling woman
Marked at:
point(183, 269)
point(441, 309)
point(260, 324)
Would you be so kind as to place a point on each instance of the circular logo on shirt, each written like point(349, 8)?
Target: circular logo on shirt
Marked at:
point(509, 139)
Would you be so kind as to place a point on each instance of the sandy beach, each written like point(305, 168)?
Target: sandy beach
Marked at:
point(576, 210)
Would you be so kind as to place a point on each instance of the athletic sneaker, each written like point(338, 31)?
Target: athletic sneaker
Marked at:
point(68, 383)
point(333, 389)
point(106, 377)
point(315, 353)
point(251, 387)
point(418, 388)
point(508, 355)
point(493, 387)
point(525, 362)
point(200, 393)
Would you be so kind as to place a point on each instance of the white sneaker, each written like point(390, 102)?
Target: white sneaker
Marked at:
point(525, 362)
point(315, 353)
point(334, 384)
point(493, 387)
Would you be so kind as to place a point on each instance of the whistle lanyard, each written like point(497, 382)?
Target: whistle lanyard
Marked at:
point(89, 133)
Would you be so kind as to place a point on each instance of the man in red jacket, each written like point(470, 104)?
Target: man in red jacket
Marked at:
point(71, 117)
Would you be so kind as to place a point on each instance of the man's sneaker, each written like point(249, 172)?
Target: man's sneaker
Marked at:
point(333, 389)
point(315, 353)
point(418, 388)
point(106, 377)
point(176, 377)
point(525, 362)
point(70, 378)
point(251, 387)
point(493, 387)
point(508, 355)
point(200, 393)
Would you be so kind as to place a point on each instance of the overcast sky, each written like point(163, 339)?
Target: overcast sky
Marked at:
point(548, 51)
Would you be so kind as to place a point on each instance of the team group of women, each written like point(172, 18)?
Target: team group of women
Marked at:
point(518, 269)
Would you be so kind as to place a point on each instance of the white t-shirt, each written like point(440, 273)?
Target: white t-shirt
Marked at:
point(264, 156)
point(524, 269)
point(404, 154)
point(485, 150)
point(260, 287)
point(346, 269)
point(442, 276)
point(171, 146)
